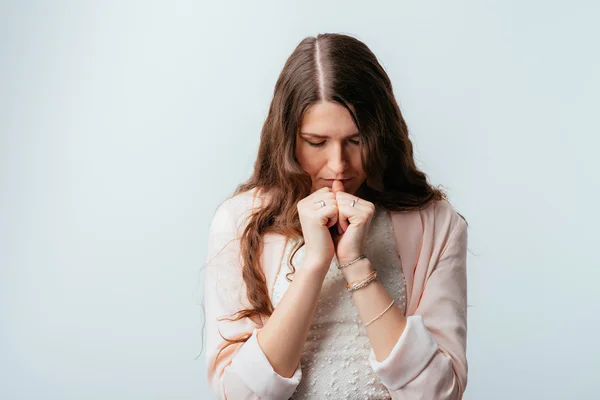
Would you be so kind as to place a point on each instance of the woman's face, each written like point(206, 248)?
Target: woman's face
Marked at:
point(328, 147)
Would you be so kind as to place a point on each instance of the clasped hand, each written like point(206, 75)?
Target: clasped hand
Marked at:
point(338, 226)
point(353, 224)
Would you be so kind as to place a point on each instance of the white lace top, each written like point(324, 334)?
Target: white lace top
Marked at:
point(334, 360)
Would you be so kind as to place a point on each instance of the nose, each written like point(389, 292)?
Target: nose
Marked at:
point(337, 161)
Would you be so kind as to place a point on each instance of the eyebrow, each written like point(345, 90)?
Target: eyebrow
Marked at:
point(326, 137)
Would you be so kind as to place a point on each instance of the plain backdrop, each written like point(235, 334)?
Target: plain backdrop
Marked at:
point(123, 124)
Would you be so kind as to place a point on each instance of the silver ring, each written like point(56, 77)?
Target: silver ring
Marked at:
point(353, 203)
point(321, 202)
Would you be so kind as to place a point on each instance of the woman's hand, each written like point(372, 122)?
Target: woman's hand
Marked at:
point(316, 221)
point(353, 224)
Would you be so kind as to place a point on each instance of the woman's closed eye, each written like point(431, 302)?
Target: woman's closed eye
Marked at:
point(319, 144)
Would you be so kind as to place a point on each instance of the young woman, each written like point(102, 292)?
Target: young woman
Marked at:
point(336, 271)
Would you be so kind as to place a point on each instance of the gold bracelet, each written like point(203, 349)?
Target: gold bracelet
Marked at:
point(360, 280)
point(364, 282)
point(380, 314)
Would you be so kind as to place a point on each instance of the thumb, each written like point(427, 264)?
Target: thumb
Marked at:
point(337, 186)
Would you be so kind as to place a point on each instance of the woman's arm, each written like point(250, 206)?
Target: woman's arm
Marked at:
point(424, 355)
point(283, 336)
point(240, 370)
point(370, 300)
point(267, 365)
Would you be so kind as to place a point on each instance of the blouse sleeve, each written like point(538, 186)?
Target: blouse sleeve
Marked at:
point(241, 371)
point(429, 359)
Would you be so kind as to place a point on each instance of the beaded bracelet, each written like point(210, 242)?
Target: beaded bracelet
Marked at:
point(364, 282)
point(348, 285)
point(351, 262)
point(379, 315)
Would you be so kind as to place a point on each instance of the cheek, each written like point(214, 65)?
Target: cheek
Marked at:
point(356, 162)
point(307, 160)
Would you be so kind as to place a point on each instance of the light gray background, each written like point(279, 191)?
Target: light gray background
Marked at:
point(125, 123)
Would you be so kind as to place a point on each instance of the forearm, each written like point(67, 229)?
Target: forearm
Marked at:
point(283, 336)
point(370, 301)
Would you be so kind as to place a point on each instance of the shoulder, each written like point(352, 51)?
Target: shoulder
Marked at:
point(240, 202)
point(445, 214)
point(435, 223)
point(232, 212)
point(439, 212)
point(446, 226)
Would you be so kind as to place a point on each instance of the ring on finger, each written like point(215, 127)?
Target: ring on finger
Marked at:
point(320, 202)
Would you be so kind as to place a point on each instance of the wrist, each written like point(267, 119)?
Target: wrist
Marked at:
point(350, 257)
point(315, 267)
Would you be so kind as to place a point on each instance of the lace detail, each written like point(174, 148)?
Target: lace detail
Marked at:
point(334, 360)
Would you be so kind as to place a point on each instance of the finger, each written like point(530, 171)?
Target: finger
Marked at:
point(347, 198)
point(316, 196)
point(337, 186)
point(328, 202)
point(354, 215)
point(332, 220)
point(321, 194)
point(327, 213)
point(333, 216)
point(342, 220)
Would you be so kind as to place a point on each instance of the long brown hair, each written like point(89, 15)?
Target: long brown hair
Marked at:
point(341, 69)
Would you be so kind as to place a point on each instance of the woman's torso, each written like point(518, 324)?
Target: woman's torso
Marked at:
point(334, 360)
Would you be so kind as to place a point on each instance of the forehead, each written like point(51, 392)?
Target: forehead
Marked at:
point(328, 119)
